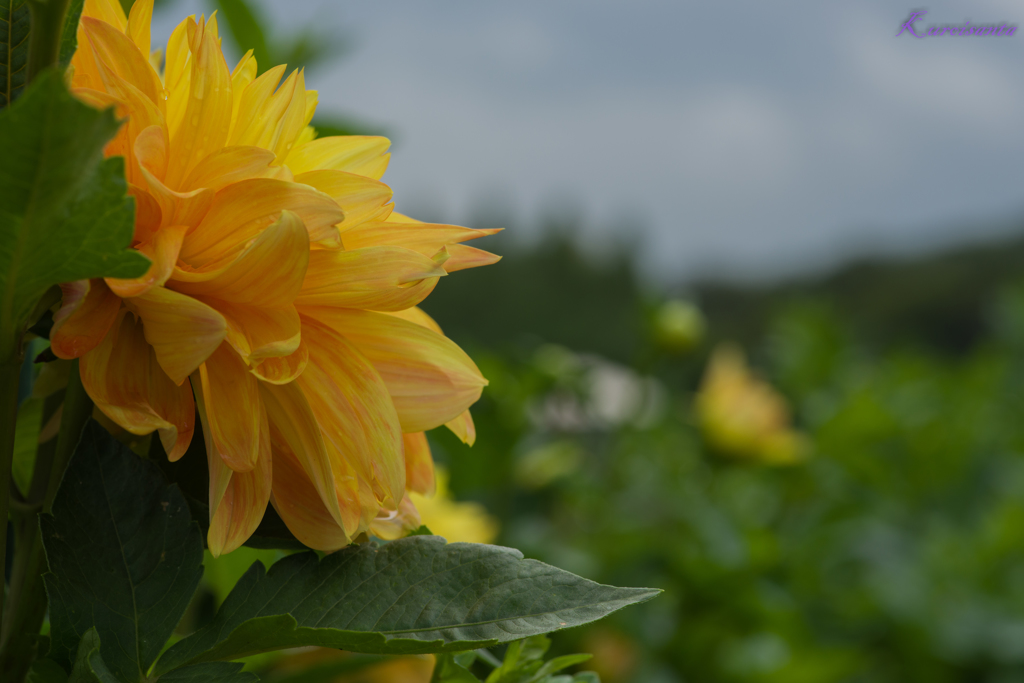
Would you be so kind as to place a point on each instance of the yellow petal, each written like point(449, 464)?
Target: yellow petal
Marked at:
point(419, 464)
point(109, 11)
point(207, 118)
point(269, 272)
point(126, 383)
point(461, 256)
point(425, 238)
point(298, 503)
point(232, 403)
point(238, 500)
point(87, 311)
point(360, 154)
point(394, 524)
point(139, 20)
point(243, 74)
point(178, 74)
point(162, 249)
point(418, 316)
point(463, 427)
point(360, 198)
point(294, 426)
point(183, 331)
point(355, 413)
point(241, 211)
point(176, 208)
point(258, 333)
point(377, 278)
point(253, 114)
point(430, 379)
point(229, 165)
point(282, 369)
point(117, 51)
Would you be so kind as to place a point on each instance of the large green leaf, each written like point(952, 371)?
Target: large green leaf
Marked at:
point(124, 556)
point(64, 212)
point(69, 35)
point(415, 595)
point(14, 29)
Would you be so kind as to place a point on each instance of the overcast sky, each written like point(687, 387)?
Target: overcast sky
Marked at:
point(745, 137)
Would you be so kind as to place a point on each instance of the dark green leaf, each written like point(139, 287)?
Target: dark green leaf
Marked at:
point(246, 31)
point(46, 671)
point(414, 595)
point(69, 35)
point(14, 29)
point(210, 672)
point(89, 666)
point(65, 213)
point(422, 531)
point(193, 478)
point(123, 553)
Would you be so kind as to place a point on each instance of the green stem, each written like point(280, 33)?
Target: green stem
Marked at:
point(44, 39)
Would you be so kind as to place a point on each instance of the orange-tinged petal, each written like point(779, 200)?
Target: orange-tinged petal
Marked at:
point(148, 214)
point(363, 155)
point(125, 382)
point(425, 238)
point(110, 11)
point(183, 331)
point(269, 272)
point(117, 51)
point(162, 249)
point(258, 333)
point(430, 379)
point(238, 500)
point(139, 20)
point(282, 369)
point(419, 464)
point(294, 426)
point(87, 311)
point(298, 503)
point(176, 208)
point(463, 427)
point(207, 118)
point(394, 524)
point(377, 278)
point(418, 316)
point(355, 413)
point(232, 402)
point(229, 165)
point(244, 209)
point(360, 198)
point(461, 257)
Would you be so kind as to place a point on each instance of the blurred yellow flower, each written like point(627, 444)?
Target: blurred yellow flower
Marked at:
point(743, 416)
point(281, 300)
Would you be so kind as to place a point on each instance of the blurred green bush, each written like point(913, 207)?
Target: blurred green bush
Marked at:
point(894, 553)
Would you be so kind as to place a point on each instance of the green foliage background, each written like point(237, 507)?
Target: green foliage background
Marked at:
point(896, 553)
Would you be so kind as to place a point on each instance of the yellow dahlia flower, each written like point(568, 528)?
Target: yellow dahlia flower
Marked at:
point(281, 299)
point(743, 416)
